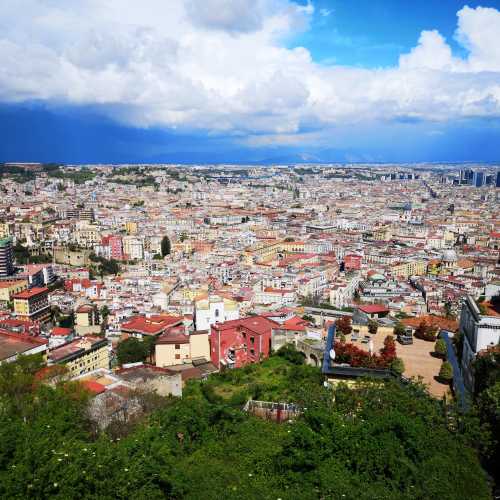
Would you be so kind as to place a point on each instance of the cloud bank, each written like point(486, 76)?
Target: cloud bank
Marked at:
point(222, 66)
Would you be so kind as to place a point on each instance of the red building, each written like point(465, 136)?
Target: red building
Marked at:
point(116, 247)
point(239, 342)
point(352, 261)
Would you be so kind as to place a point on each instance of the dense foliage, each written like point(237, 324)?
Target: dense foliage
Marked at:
point(131, 350)
point(425, 331)
point(165, 246)
point(377, 440)
point(357, 357)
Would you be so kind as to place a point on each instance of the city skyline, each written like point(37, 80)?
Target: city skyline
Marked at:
point(268, 81)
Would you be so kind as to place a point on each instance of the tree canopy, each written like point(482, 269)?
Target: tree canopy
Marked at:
point(373, 440)
point(131, 350)
point(165, 246)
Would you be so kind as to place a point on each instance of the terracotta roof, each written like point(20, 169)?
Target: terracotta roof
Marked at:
point(373, 308)
point(27, 294)
point(93, 386)
point(150, 326)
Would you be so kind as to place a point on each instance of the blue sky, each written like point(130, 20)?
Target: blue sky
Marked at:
point(249, 80)
point(373, 33)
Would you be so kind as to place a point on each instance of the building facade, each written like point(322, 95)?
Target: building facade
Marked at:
point(32, 304)
point(479, 331)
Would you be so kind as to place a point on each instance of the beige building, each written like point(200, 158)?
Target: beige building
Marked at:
point(180, 349)
point(81, 355)
point(409, 268)
point(9, 288)
point(87, 320)
point(32, 304)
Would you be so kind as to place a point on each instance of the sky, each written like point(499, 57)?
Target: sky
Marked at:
point(201, 81)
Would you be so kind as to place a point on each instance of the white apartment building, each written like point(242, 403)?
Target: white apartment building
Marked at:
point(479, 331)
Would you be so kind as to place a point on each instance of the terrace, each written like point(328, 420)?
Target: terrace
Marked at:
point(417, 358)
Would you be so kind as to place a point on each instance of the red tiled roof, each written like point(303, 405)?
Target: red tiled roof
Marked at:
point(59, 330)
point(150, 326)
point(93, 386)
point(27, 294)
point(256, 324)
point(295, 323)
point(373, 309)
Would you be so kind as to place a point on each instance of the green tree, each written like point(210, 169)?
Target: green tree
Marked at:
point(131, 350)
point(440, 347)
point(372, 326)
point(104, 312)
point(165, 246)
point(446, 371)
point(399, 329)
point(398, 366)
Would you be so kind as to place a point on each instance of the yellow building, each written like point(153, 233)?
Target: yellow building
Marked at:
point(87, 320)
point(131, 227)
point(180, 349)
point(10, 288)
point(6, 229)
point(409, 268)
point(81, 355)
point(32, 305)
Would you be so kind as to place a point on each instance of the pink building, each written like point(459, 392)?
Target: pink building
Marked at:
point(352, 261)
point(239, 342)
point(116, 247)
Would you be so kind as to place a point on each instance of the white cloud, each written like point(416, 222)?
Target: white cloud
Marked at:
point(223, 66)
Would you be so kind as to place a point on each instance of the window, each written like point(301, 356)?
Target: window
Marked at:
point(216, 313)
point(177, 356)
point(177, 346)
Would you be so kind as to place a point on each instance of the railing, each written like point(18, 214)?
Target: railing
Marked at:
point(269, 410)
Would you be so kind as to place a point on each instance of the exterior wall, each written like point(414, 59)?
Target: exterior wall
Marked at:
point(16, 287)
point(35, 308)
point(165, 386)
point(479, 332)
point(89, 361)
point(172, 354)
point(213, 312)
point(79, 258)
point(236, 347)
point(200, 345)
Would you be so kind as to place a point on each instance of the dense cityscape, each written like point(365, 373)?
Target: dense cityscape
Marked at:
point(138, 283)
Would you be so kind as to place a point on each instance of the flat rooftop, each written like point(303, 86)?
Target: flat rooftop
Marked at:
point(11, 344)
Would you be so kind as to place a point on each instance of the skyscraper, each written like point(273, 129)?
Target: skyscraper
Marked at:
point(6, 257)
point(497, 184)
point(478, 179)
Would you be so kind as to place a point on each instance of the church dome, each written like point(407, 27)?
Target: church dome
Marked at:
point(449, 256)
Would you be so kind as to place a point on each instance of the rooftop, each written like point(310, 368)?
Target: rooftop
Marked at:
point(12, 344)
point(33, 292)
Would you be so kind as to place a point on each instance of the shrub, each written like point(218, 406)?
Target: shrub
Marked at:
point(398, 366)
point(372, 326)
point(399, 329)
point(426, 332)
point(344, 325)
point(290, 353)
point(440, 348)
point(446, 371)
